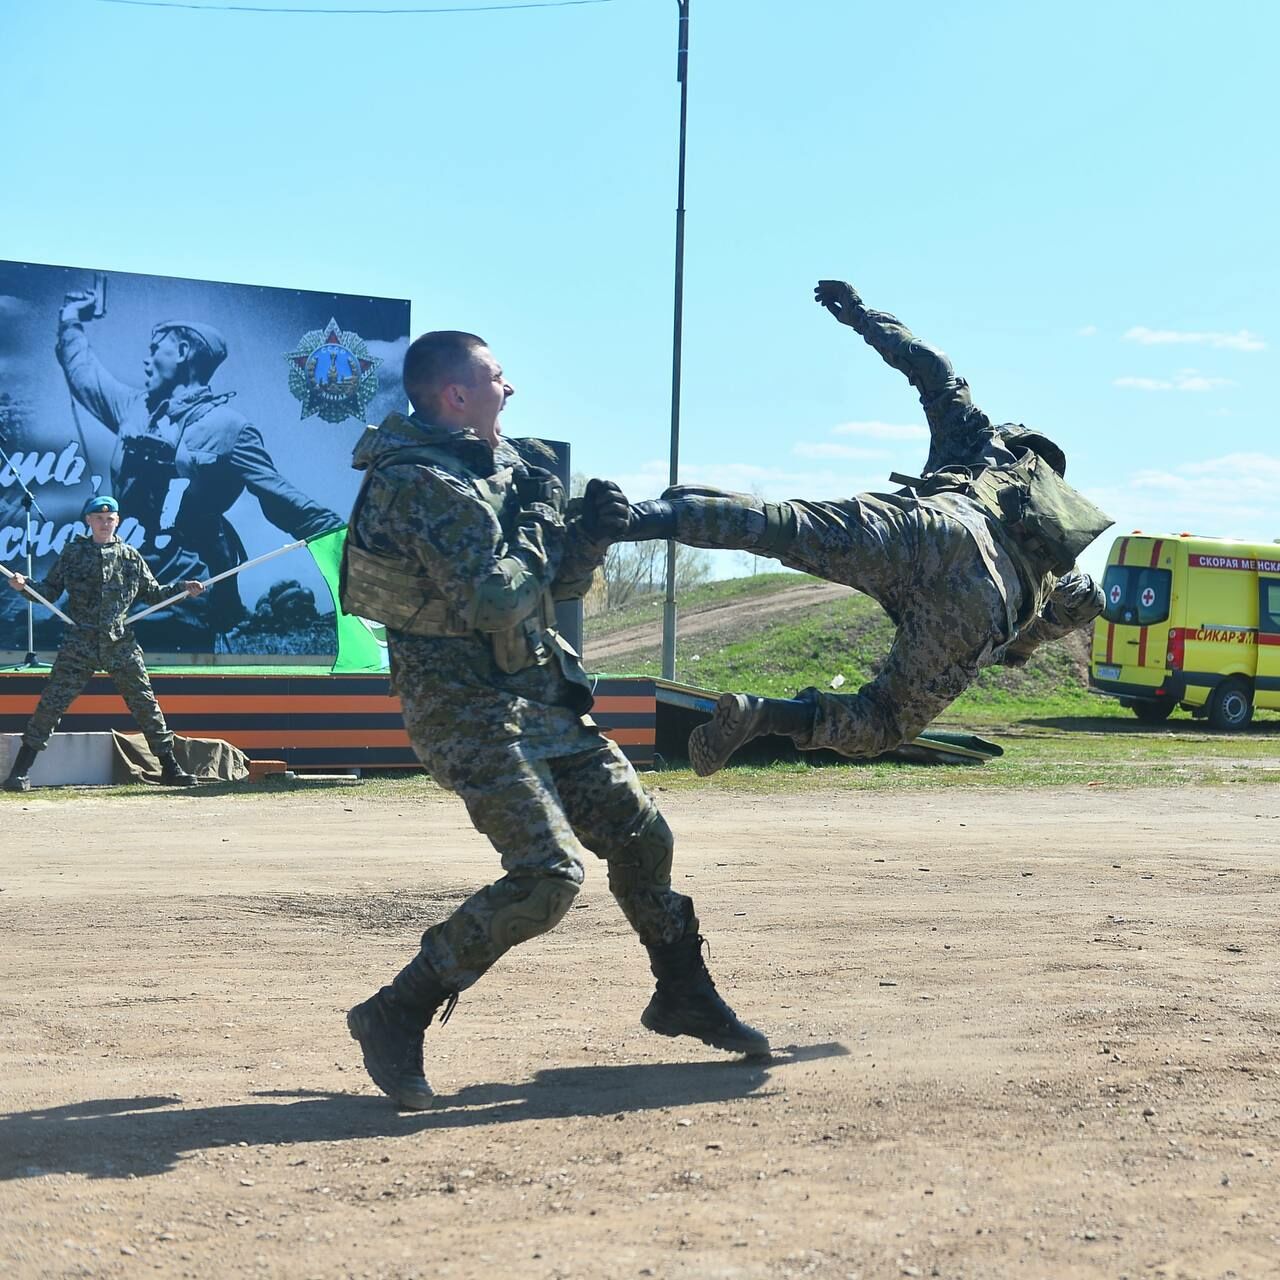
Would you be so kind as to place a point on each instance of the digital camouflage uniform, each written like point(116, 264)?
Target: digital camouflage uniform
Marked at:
point(961, 592)
point(538, 778)
point(102, 583)
point(178, 467)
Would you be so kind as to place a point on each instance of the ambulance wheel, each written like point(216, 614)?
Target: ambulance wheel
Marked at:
point(1153, 712)
point(1231, 705)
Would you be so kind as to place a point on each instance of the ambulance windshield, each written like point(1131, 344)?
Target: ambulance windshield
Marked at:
point(1136, 597)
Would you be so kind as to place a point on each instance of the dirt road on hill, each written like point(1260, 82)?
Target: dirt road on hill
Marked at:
point(600, 649)
point(1031, 1040)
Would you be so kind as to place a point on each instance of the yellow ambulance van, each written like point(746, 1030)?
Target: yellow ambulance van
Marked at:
point(1190, 622)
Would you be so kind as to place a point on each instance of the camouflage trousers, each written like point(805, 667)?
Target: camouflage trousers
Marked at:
point(540, 815)
point(921, 565)
point(79, 658)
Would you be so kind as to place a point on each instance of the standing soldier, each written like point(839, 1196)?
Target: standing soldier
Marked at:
point(974, 561)
point(458, 542)
point(183, 455)
point(102, 577)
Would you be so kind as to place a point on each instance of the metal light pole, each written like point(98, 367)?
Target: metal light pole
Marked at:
point(669, 604)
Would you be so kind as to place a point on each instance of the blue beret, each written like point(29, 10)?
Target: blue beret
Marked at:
point(100, 503)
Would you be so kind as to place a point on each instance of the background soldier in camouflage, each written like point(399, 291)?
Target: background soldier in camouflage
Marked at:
point(102, 577)
point(459, 542)
point(963, 589)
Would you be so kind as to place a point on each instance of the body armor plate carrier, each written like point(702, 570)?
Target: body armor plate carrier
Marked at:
point(394, 591)
point(1048, 520)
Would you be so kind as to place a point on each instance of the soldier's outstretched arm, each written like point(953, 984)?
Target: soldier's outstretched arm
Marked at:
point(103, 394)
point(285, 505)
point(149, 590)
point(1075, 601)
point(958, 428)
point(55, 581)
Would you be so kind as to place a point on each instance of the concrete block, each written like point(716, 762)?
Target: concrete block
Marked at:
point(70, 759)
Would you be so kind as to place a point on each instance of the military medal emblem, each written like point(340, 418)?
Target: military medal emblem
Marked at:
point(332, 373)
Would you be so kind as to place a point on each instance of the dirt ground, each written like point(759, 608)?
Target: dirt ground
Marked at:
point(1017, 1035)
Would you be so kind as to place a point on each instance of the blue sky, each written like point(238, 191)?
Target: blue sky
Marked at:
point(1077, 202)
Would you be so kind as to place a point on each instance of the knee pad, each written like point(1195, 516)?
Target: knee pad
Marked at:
point(643, 859)
point(537, 904)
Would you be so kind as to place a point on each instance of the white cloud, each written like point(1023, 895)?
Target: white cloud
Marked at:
point(1241, 340)
point(768, 482)
point(1183, 380)
point(825, 449)
point(1144, 384)
point(1259, 471)
point(1232, 496)
point(1087, 330)
point(882, 430)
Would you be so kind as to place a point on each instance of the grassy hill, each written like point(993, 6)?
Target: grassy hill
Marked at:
point(647, 610)
point(848, 636)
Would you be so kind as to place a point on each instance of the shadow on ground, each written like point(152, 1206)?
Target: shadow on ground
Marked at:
point(139, 1137)
point(1175, 727)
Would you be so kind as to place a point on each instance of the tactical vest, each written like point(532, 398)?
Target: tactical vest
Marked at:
point(394, 591)
point(1048, 521)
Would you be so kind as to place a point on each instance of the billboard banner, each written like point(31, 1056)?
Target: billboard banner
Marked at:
point(221, 417)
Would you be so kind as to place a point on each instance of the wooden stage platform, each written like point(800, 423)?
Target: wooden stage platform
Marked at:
point(312, 720)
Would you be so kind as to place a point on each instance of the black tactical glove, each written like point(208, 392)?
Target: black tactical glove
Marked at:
point(606, 513)
point(840, 299)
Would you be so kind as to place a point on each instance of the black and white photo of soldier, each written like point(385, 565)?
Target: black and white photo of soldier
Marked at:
point(14, 416)
point(183, 455)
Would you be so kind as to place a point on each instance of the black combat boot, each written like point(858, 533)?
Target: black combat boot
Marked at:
point(22, 762)
point(686, 1002)
point(389, 1028)
point(737, 719)
point(172, 774)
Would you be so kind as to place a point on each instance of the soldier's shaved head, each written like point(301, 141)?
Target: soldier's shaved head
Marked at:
point(435, 360)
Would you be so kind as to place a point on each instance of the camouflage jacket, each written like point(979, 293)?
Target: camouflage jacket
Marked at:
point(102, 583)
point(440, 520)
point(962, 435)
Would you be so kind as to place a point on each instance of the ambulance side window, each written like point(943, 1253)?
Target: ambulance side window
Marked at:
point(1153, 596)
point(1117, 587)
point(1269, 606)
